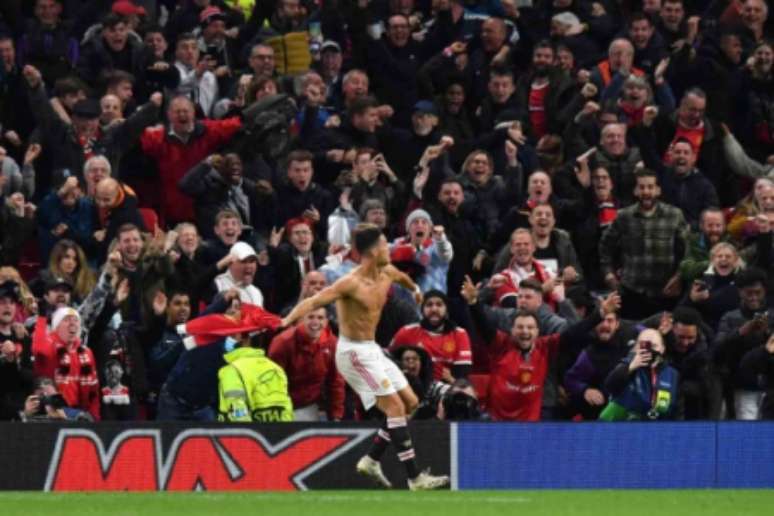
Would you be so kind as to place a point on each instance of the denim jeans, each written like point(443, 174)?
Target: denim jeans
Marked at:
point(171, 408)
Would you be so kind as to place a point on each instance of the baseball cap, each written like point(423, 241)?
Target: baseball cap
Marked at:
point(330, 45)
point(211, 14)
point(55, 282)
point(10, 289)
point(127, 8)
point(425, 106)
point(242, 251)
point(87, 108)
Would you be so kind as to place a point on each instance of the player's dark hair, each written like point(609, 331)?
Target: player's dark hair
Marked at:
point(366, 236)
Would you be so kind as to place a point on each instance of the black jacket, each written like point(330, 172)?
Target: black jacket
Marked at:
point(288, 273)
point(211, 194)
point(730, 346)
point(61, 148)
point(465, 239)
point(562, 101)
point(96, 59)
point(291, 202)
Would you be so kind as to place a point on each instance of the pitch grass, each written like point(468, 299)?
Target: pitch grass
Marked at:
point(400, 503)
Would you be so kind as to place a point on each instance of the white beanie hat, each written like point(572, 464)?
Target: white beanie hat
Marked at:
point(566, 18)
point(417, 214)
point(61, 313)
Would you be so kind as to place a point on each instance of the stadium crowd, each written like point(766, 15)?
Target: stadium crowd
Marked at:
point(583, 191)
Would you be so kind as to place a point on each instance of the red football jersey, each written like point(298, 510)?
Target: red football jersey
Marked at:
point(446, 349)
point(516, 382)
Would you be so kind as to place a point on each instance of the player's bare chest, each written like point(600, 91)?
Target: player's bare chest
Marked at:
point(372, 293)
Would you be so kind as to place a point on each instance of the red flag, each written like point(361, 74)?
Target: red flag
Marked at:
point(211, 328)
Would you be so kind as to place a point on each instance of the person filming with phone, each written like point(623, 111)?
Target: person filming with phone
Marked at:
point(643, 386)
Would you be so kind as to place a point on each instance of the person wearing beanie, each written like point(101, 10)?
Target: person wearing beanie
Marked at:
point(62, 356)
point(446, 343)
point(425, 252)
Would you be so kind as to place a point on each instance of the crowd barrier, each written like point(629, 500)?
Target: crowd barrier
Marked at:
point(295, 456)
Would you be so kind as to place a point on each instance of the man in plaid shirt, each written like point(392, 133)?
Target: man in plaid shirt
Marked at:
point(641, 249)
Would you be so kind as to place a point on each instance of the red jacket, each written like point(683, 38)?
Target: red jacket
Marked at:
point(310, 367)
point(175, 158)
point(72, 368)
point(516, 381)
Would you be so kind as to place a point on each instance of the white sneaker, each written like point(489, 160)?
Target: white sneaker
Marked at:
point(370, 468)
point(425, 481)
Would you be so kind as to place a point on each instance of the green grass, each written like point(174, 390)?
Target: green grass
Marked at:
point(396, 503)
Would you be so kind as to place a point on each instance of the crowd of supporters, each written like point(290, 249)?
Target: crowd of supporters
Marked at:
point(583, 191)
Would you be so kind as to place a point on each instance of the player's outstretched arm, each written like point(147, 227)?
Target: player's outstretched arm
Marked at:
point(404, 280)
point(323, 298)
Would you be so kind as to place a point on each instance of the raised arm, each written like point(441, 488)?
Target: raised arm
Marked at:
point(322, 298)
point(404, 280)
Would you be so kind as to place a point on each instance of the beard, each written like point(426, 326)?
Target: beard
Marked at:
point(541, 71)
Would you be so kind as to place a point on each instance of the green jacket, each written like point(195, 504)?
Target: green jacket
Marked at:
point(697, 256)
point(253, 388)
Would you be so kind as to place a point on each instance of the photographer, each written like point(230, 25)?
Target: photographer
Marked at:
point(46, 404)
point(643, 386)
point(460, 403)
point(437, 399)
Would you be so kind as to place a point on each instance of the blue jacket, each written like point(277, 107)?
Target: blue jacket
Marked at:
point(80, 219)
point(634, 392)
point(194, 378)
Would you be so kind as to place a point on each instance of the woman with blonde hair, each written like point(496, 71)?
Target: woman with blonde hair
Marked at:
point(715, 293)
point(68, 261)
point(760, 199)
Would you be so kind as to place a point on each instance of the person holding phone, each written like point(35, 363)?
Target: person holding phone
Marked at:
point(643, 385)
point(715, 292)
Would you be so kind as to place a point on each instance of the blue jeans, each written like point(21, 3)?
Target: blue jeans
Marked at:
point(172, 408)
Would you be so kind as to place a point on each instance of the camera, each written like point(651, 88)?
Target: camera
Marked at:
point(459, 406)
point(55, 401)
point(646, 345)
